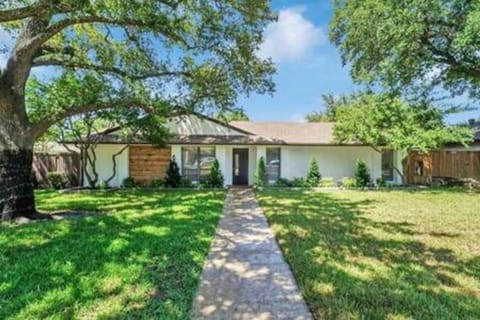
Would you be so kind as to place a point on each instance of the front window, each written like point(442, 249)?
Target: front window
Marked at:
point(197, 162)
point(387, 165)
point(273, 165)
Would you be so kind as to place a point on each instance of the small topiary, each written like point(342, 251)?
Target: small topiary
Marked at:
point(313, 175)
point(173, 177)
point(362, 174)
point(215, 180)
point(260, 178)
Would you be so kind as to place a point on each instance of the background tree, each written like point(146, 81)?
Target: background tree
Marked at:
point(387, 121)
point(232, 115)
point(119, 55)
point(407, 44)
point(330, 104)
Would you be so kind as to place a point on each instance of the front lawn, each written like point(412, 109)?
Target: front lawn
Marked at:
point(380, 254)
point(141, 258)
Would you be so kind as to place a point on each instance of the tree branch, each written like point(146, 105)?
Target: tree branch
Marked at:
point(36, 10)
point(108, 69)
point(37, 129)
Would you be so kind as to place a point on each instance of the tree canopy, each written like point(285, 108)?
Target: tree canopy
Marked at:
point(126, 54)
point(387, 121)
point(330, 104)
point(407, 44)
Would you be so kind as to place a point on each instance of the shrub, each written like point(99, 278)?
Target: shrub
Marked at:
point(103, 185)
point(349, 182)
point(381, 183)
point(283, 183)
point(362, 174)
point(157, 183)
point(299, 183)
point(173, 177)
point(216, 178)
point(259, 180)
point(313, 175)
point(327, 182)
point(129, 182)
point(58, 180)
point(185, 183)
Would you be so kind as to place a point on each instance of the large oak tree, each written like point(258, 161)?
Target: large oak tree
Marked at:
point(153, 55)
point(411, 44)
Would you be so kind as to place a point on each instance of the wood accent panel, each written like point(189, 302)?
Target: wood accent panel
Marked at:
point(148, 163)
point(444, 163)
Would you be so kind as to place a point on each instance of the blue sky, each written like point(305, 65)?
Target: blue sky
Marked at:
point(307, 64)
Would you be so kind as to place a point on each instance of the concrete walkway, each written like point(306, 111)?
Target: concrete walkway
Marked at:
point(245, 276)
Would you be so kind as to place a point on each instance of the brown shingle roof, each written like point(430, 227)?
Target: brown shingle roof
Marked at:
point(290, 132)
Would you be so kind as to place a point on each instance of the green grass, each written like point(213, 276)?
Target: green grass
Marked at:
point(381, 255)
point(142, 258)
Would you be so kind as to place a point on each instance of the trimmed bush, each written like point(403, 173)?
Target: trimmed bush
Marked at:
point(299, 183)
point(362, 174)
point(313, 175)
point(185, 183)
point(157, 183)
point(349, 182)
point(129, 182)
point(103, 185)
point(327, 182)
point(283, 183)
point(173, 177)
point(216, 177)
point(58, 180)
point(381, 183)
point(259, 180)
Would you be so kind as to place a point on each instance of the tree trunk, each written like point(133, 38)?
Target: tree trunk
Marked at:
point(16, 187)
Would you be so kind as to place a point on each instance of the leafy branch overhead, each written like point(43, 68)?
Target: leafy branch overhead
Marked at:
point(418, 43)
point(383, 120)
point(179, 53)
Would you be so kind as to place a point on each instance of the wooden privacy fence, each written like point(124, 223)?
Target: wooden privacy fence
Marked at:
point(68, 163)
point(443, 163)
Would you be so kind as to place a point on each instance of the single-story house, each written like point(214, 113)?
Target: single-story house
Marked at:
point(287, 148)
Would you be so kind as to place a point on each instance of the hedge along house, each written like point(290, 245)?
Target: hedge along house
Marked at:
point(287, 148)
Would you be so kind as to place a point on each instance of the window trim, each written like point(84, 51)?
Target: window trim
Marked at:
point(198, 154)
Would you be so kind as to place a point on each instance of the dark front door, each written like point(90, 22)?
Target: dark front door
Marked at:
point(240, 166)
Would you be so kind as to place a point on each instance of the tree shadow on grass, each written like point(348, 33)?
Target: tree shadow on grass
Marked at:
point(350, 266)
point(142, 259)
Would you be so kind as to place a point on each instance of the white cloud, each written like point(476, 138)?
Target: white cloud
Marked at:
point(3, 61)
point(292, 37)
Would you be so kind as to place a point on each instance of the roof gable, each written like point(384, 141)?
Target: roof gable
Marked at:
point(197, 125)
